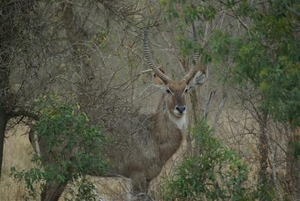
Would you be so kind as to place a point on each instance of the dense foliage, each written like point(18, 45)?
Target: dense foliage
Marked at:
point(254, 47)
point(267, 55)
point(212, 172)
point(71, 143)
point(264, 53)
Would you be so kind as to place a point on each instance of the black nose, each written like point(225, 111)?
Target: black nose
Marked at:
point(180, 109)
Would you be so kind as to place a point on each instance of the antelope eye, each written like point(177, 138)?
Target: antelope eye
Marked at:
point(186, 90)
point(168, 91)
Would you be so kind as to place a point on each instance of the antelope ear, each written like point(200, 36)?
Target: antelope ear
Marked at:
point(159, 83)
point(198, 79)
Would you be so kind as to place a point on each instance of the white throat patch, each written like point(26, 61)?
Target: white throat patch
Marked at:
point(181, 123)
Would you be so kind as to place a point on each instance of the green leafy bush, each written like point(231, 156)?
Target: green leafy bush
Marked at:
point(70, 146)
point(212, 172)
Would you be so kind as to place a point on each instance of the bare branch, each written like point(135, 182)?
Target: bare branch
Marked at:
point(293, 11)
point(24, 113)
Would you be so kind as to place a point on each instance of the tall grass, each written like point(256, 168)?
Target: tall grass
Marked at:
point(17, 153)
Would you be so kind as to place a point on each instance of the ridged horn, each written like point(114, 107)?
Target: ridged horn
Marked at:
point(196, 54)
point(150, 60)
point(194, 70)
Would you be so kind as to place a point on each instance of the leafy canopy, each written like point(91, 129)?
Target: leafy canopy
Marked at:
point(263, 53)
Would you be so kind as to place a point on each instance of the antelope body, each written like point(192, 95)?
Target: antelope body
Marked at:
point(144, 143)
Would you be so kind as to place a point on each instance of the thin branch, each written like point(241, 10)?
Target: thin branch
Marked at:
point(137, 77)
point(273, 166)
point(24, 113)
point(220, 109)
point(292, 10)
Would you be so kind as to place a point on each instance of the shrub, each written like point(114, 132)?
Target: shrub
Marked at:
point(211, 172)
point(70, 146)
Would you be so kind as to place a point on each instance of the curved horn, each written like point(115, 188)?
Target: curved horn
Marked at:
point(196, 56)
point(150, 61)
point(190, 75)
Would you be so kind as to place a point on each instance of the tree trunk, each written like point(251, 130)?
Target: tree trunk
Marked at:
point(263, 150)
point(3, 123)
point(293, 166)
point(6, 38)
point(4, 93)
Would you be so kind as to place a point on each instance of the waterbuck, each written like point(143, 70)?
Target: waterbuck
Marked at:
point(144, 143)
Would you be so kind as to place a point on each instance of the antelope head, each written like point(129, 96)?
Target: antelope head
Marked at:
point(174, 91)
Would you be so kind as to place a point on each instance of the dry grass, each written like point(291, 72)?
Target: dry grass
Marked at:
point(17, 153)
point(10, 190)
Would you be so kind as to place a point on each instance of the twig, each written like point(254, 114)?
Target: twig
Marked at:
point(24, 113)
point(273, 166)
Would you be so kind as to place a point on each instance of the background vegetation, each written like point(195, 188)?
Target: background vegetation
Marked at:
point(90, 53)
